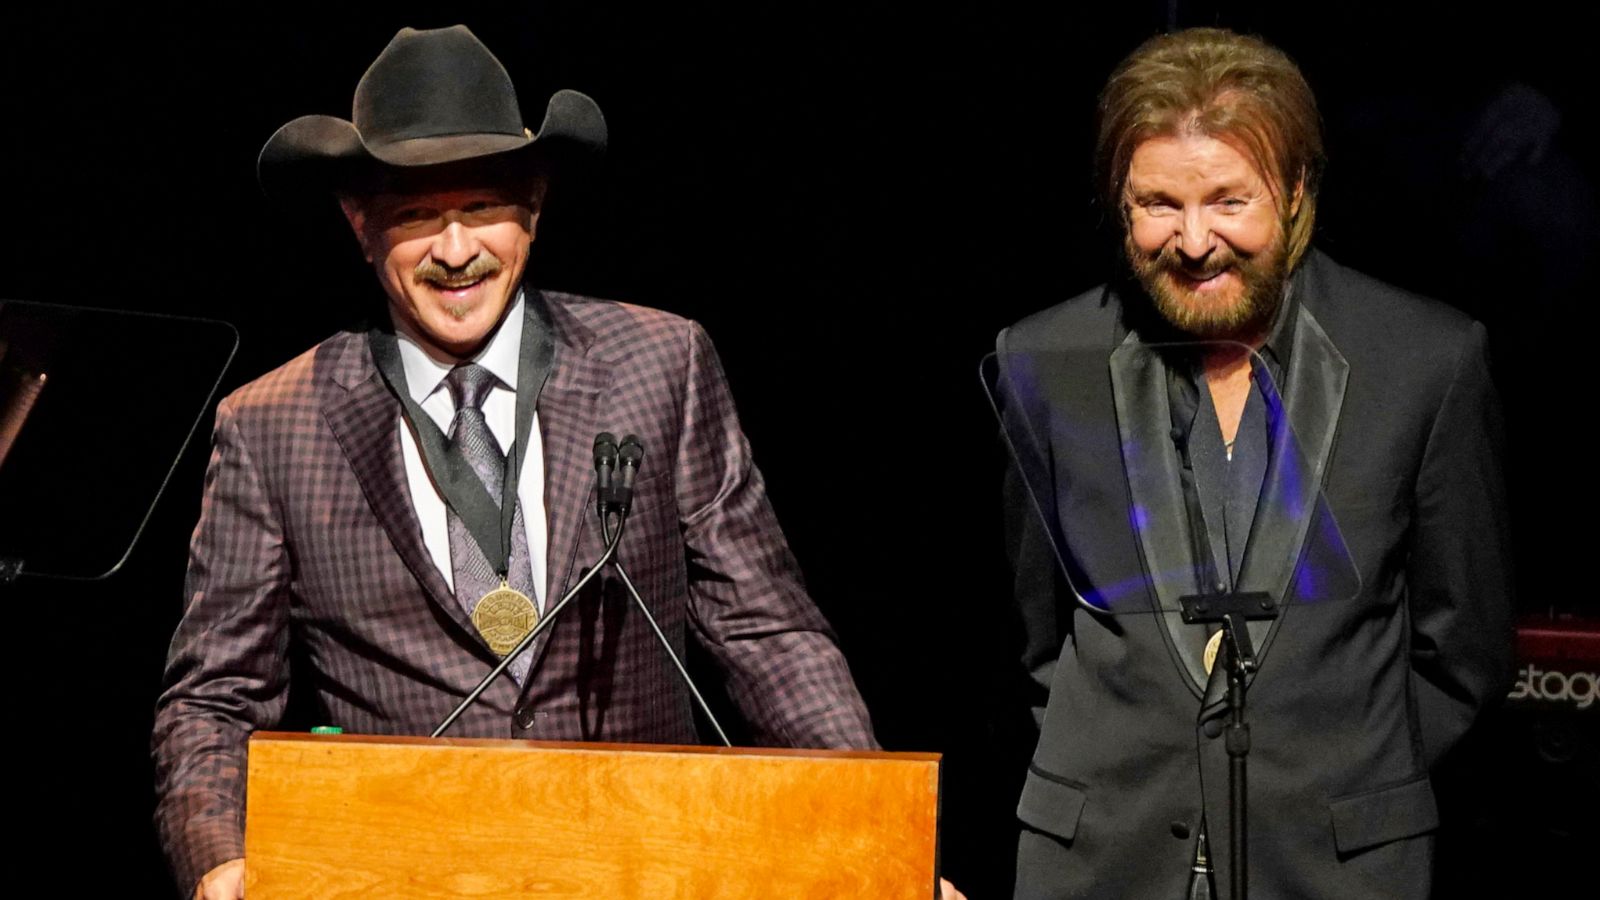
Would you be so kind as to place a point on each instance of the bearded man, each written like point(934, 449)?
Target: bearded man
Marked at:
point(336, 530)
point(1239, 414)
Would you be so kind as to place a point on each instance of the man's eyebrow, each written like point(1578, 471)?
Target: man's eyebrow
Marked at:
point(1230, 189)
point(1148, 194)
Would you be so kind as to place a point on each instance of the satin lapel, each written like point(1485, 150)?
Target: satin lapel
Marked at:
point(569, 409)
point(365, 420)
point(1291, 493)
point(1157, 512)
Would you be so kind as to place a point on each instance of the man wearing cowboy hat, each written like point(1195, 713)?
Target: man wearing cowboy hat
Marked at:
point(337, 527)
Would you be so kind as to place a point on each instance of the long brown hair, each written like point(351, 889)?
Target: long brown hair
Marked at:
point(1223, 85)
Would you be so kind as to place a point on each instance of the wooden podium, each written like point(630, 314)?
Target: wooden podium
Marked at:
point(333, 816)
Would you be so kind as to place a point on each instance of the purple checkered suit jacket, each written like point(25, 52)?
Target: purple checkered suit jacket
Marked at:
point(308, 546)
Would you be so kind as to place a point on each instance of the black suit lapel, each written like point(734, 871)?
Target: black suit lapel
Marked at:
point(1301, 444)
point(1278, 560)
point(1155, 491)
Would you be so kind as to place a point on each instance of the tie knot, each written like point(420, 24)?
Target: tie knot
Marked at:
point(469, 384)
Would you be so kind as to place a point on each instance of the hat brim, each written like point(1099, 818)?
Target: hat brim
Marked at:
point(318, 154)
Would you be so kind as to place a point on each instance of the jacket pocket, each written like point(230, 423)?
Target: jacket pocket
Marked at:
point(1383, 815)
point(651, 492)
point(1051, 803)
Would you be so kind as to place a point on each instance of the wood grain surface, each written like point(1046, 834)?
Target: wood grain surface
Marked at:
point(346, 816)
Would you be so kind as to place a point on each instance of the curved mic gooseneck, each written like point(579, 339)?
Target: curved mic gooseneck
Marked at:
point(544, 621)
point(630, 455)
point(616, 467)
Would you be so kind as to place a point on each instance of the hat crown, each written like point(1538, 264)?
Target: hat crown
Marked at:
point(432, 97)
point(433, 83)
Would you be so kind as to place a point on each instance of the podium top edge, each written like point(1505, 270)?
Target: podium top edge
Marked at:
point(285, 737)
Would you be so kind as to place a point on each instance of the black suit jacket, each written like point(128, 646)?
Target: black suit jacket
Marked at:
point(1381, 523)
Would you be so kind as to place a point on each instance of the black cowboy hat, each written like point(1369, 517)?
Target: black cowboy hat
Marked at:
point(432, 97)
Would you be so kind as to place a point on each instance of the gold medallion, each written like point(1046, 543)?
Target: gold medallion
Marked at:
point(1212, 646)
point(504, 616)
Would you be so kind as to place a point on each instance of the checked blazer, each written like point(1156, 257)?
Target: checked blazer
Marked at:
point(308, 550)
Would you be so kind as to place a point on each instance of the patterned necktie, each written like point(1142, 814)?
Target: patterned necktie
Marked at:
point(469, 386)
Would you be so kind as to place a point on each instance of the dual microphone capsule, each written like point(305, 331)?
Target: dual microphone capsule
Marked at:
point(616, 465)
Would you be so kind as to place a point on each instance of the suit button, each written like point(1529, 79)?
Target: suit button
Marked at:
point(1212, 728)
point(524, 717)
point(1180, 830)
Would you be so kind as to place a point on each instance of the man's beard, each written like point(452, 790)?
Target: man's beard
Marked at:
point(1245, 318)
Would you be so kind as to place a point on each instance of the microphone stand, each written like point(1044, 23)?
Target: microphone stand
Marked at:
point(611, 499)
point(1233, 611)
point(544, 621)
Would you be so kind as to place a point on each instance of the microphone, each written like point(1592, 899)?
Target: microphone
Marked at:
point(605, 462)
point(612, 541)
point(612, 497)
point(630, 454)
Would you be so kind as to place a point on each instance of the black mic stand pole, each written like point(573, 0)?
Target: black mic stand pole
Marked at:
point(1233, 611)
point(666, 644)
point(1236, 736)
point(616, 495)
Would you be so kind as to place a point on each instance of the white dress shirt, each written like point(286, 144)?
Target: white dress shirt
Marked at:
point(425, 381)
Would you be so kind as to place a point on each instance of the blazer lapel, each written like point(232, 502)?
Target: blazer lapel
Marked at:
point(1157, 510)
point(1302, 422)
point(1301, 443)
point(365, 419)
point(569, 408)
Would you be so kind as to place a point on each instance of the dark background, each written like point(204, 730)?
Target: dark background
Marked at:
point(853, 199)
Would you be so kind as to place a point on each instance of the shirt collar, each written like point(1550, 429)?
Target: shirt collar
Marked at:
point(1183, 379)
point(1275, 351)
point(500, 356)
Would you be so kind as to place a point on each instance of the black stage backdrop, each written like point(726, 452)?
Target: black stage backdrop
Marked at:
point(853, 198)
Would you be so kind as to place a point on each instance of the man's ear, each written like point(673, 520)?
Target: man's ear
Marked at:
point(356, 215)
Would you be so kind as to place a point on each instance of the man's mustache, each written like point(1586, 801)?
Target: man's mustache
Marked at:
point(1220, 260)
point(484, 265)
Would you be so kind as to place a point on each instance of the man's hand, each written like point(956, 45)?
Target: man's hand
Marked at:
point(947, 891)
point(225, 882)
